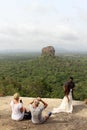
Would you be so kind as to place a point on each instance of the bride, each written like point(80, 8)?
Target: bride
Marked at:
point(66, 104)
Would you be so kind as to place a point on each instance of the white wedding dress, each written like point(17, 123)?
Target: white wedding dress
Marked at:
point(65, 105)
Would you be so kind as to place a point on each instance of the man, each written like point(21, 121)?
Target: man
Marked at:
point(70, 84)
point(36, 111)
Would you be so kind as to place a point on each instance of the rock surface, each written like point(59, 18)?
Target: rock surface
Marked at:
point(62, 121)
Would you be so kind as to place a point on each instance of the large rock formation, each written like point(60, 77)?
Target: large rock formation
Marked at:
point(48, 51)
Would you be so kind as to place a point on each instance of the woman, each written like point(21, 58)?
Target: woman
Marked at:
point(17, 108)
point(66, 104)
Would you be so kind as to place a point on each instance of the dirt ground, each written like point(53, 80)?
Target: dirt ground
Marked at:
point(62, 121)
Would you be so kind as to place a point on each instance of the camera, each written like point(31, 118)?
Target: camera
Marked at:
point(21, 101)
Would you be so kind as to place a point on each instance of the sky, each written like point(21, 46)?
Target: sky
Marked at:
point(34, 24)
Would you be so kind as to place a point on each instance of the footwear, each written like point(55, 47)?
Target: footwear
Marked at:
point(49, 114)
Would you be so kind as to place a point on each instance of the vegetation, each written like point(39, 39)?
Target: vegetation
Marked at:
point(42, 76)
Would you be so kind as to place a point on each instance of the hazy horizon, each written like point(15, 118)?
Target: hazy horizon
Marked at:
point(57, 51)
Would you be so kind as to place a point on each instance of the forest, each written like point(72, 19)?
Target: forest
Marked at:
point(44, 76)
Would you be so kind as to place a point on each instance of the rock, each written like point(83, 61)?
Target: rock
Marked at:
point(48, 51)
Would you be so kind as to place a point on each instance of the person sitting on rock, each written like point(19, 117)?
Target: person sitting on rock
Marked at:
point(18, 111)
point(36, 111)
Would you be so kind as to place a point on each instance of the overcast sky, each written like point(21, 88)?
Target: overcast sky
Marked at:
point(33, 24)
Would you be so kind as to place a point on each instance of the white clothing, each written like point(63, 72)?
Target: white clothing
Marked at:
point(37, 114)
point(65, 105)
point(16, 114)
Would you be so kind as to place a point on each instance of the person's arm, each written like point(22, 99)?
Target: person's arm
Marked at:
point(44, 103)
point(73, 85)
point(67, 98)
point(21, 109)
point(31, 102)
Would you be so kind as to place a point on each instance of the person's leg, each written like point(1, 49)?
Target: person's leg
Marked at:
point(47, 117)
point(27, 115)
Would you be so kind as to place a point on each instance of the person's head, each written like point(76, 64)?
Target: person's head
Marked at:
point(71, 79)
point(16, 96)
point(36, 102)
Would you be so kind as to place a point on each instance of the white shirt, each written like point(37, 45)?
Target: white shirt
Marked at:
point(16, 114)
point(37, 114)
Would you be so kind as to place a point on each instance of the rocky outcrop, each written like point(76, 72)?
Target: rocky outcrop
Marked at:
point(48, 51)
point(61, 121)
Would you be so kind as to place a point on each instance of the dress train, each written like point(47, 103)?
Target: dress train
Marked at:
point(65, 105)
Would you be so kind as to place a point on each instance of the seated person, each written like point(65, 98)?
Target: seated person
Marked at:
point(18, 111)
point(36, 111)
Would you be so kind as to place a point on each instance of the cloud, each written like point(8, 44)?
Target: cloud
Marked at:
point(70, 37)
point(35, 37)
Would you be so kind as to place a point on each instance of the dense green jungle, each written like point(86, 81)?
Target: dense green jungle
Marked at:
point(34, 75)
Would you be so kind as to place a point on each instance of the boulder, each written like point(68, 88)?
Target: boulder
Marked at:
point(48, 51)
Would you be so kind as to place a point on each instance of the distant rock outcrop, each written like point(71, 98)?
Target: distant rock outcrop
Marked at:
point(48, 51)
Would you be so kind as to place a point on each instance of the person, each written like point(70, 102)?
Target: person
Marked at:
point(18, 111)
point(71, 85)
point(36, 111)
point(66, 104)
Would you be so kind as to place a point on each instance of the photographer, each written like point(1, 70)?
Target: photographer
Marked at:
point(18, 111)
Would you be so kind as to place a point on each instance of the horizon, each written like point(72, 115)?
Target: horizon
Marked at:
point(57, 51)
